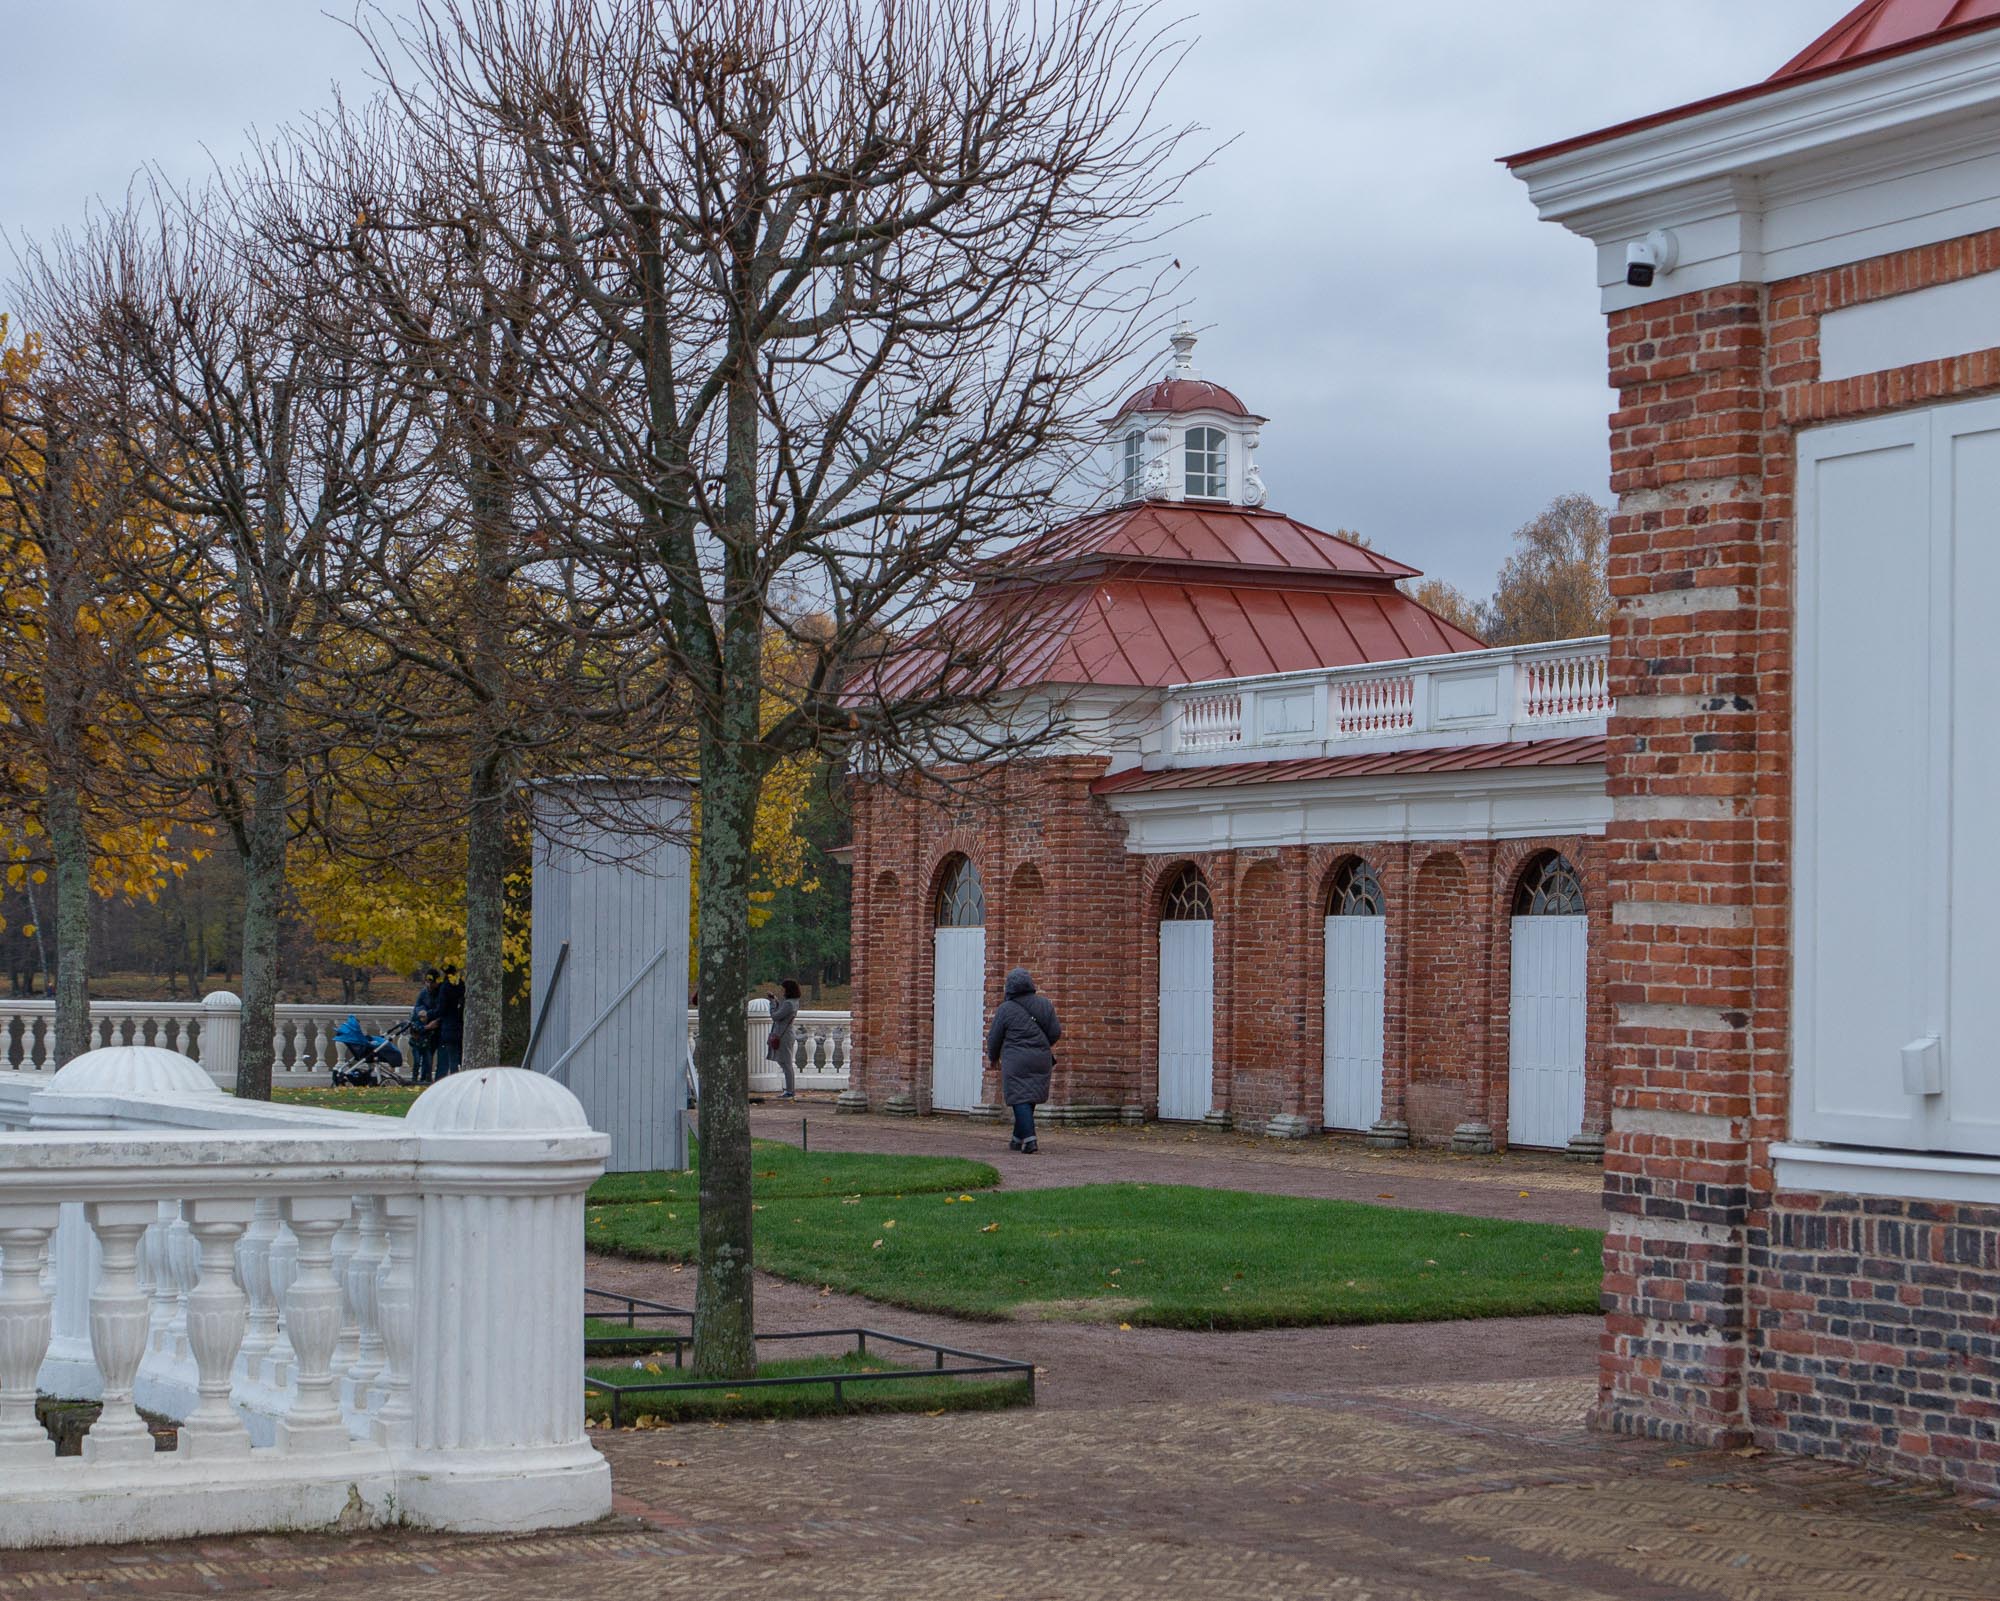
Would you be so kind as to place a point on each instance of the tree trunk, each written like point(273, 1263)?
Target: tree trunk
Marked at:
point(485, 911)
point(724, 1310)
point(72, 867)
point(263, 901)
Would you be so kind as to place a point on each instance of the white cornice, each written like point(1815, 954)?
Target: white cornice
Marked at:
point(1881, 157)
point(1494, 803)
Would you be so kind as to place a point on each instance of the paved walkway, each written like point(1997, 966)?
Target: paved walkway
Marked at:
point(1418, 1463)
point(1533, 1187)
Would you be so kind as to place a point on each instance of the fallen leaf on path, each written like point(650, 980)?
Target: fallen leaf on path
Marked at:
point(1524, 1195)
point(1126, 1327)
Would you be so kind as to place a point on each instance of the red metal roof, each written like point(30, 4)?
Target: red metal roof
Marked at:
point(1183, 394)
point(1878, 25)
point(1870, 32)
point(1584, 751)
point(1210, 536)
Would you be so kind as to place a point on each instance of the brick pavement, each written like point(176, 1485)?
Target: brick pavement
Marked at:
point(1405, 1493)
point(1336, 1167)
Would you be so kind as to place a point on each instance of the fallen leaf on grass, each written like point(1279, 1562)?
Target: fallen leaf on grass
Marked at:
point(991, 1228)
point(876, 1246)
point(888, 1222)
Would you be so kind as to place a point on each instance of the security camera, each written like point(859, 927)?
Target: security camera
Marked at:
point(1647, 258)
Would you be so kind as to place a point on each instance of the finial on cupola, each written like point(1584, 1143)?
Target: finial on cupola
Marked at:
point(1183, 343)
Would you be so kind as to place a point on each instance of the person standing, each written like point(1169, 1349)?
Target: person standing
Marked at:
point(424, 1030)
point(1022, 1043)
point(451, 1022)
point(784, 1012)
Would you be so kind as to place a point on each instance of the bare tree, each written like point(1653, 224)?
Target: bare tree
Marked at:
point(266, 450)
point(842, 281)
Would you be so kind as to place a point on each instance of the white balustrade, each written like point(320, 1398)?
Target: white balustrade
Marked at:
point(345, 1318)
point(208, 1031)
point(1209, 721)
point(1370, 707)
point(1517, 692)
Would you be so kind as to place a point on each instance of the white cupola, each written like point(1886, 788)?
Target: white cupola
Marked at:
point(1185, 439)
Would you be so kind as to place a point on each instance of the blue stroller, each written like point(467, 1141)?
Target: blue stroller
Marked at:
point(372, 1059)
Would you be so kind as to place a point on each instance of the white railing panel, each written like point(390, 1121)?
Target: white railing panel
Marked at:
point(1516, 692)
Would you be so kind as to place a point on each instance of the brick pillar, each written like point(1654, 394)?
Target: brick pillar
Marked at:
point(1690, 843)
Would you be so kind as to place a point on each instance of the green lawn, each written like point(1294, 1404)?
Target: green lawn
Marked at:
point(387, 1101)
point(1150, 1254)
point(802, 1400)
point(784, 1172)
point(780, 1170)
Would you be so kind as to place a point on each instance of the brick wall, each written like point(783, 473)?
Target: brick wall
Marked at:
point(1709, 1336)
point(1066, 900)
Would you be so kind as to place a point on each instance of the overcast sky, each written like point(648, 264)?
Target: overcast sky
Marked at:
point(1431, 357)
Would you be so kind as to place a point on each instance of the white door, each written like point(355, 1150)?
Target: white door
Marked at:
point(1546, 1013)
point(1187, 1019)
point(1356, 958)
point(957, 1018)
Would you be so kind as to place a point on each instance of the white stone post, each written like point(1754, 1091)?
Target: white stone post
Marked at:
point(498, 1359)
point(25, 1324)
point(217, 1314)
point(764, 1073)
point(221, 1036)
point(120, 1314)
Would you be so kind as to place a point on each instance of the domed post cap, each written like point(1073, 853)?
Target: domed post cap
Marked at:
point(132, 1070)
point(498, 1100)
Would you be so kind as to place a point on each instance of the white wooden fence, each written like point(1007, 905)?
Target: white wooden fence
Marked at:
point(210, 1030)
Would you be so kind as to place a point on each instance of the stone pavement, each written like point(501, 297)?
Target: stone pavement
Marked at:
point(1406, 1493)
point(1338, 1167)
point(1416, 1463)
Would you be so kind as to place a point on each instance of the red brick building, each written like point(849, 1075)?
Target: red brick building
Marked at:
point(1803, 287)
point(1303, 855)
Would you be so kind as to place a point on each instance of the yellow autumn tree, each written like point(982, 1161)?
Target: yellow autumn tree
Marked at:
point(73, 638)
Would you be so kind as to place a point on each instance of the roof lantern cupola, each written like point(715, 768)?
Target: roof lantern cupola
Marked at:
point(1183, 438)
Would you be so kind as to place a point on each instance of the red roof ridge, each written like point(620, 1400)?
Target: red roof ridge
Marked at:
point(1849, 43)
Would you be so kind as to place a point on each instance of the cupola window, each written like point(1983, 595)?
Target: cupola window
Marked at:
point(1207, 464)
point(1135, 464)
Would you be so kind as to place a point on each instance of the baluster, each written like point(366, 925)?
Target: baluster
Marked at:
point(347, 1345)
point(253, 1269)
point(26, 1323)
point(284, 1268)
point(396, 1310)
point(364, 1274)
point(312, 1319)
point(184, 1262)
point(217, 1317)
point(119, 1317)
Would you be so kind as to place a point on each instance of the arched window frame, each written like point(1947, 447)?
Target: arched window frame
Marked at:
point(1207, 464)
point(1551, 887)
point(1186, 899)
point(1135, 464)
point(961, 896)
point(1356, 891)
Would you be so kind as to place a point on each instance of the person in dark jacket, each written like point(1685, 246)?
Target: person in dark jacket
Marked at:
point(1021, 1041)
point(784, 1010)
point(451, 1023)
point(424, 1029)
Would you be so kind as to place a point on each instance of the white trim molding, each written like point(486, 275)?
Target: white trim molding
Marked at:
point(1900, 1175)
point(1883, 157)
point(1497, 803)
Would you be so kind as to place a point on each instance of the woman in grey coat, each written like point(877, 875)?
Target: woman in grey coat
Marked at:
point(784, 1011)
point(1022, 1041)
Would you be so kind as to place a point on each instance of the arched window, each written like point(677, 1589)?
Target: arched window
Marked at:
point(961, 899)
point(1186, 899)
point(1356, 891)
point(1551, 887)
point(1207, 464)
point(1135, 464)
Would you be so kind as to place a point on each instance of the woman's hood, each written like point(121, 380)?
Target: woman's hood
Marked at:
point(1019, 984)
